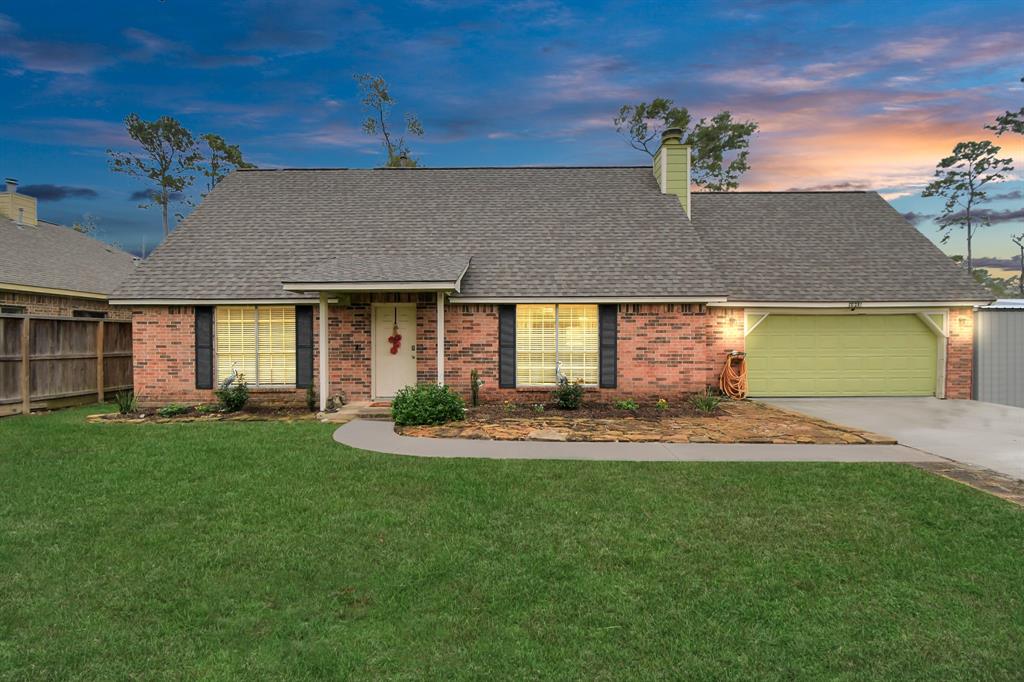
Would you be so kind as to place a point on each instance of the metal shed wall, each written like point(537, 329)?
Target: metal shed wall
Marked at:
point(999, 355)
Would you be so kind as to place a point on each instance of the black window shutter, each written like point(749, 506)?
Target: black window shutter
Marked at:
point(204, 346)
point(507, 346)
point(608, 328)
point(304, 346)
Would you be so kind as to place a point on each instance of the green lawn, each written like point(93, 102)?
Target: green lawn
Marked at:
point(266, 551)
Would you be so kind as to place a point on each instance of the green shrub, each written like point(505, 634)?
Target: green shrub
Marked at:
point(662, 404)
point(706, 402)
point(427, 404)
point(126, 402)
point(172, 410)
point(568, 395)
point(627, 404)
point(234, 397)
point(312, 400)
point(205, 409)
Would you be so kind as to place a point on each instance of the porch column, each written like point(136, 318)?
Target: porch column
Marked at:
point(440, 338)
point(324, 378)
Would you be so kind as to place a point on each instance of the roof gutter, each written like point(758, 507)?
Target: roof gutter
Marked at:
point(852, 305)
point(52, 291)
point(587, 299)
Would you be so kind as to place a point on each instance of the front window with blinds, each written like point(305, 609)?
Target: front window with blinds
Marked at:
point(553, 338)
point(258, 341)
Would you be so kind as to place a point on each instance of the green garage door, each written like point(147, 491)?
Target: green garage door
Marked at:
point(841, 355)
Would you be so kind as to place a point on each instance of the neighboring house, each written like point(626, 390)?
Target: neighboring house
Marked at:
point(618, 277)
point(51, 270)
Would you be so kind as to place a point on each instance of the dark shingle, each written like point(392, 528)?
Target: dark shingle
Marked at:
point(824, 247)
point(546, 232)
point(56, 257)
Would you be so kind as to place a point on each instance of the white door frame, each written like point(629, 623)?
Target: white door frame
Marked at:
point(373, 343)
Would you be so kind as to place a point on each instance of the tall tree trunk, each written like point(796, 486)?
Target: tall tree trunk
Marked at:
point(970, 260)
point(164, 207)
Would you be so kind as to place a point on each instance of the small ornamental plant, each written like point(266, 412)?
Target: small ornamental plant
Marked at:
point(706, 402)
point(126, 402)
point(312, 399)
point(172, 410)
point(234, 397)
point(427, 404)
point(509, 407)
point(538, 408)
point(568, 395)
point(627, 404)
point(662, 404)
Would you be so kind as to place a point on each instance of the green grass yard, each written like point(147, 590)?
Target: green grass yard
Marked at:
point(266, 551)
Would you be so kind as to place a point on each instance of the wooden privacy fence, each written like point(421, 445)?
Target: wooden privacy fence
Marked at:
point(49, 362)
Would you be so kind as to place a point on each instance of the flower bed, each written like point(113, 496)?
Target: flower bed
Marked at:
point(734, 422)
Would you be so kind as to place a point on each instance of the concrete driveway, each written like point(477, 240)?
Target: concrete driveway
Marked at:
point(983, 434)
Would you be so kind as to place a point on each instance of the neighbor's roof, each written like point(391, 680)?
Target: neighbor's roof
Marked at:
point(545, 232)
point(383, 269)
point(56, 257)
point(1006, 304)
point(529, 231)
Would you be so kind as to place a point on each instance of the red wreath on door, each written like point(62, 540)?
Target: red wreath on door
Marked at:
point(395, 340)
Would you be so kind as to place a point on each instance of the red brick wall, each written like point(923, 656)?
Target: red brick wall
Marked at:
point(664, 350)
point(61, 306)
point(960, 354)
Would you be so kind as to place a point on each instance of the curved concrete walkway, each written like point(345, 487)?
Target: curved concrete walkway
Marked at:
point(380, 436)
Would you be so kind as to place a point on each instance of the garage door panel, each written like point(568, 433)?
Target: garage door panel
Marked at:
point(823, 355)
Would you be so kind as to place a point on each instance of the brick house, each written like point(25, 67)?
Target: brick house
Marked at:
point(49, 270)
point(621, 278)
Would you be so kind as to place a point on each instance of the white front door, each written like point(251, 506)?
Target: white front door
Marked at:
point(394, 359)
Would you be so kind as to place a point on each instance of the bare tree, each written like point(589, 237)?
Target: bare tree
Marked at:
point(378, 103)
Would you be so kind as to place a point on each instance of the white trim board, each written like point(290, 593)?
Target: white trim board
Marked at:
point(214, 301)
point(457, 300)
point(845, 305)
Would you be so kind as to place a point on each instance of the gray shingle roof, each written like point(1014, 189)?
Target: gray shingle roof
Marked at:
point(56, 257)
point(544, 232)
point(529, 232)
point(382, 268)
point(824, 247)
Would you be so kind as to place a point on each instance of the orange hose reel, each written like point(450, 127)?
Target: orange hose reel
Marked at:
point(733, 381)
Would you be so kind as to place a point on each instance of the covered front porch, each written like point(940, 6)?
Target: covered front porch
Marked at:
point(402, 342)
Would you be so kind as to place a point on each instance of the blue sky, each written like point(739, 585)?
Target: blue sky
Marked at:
point(848, 94)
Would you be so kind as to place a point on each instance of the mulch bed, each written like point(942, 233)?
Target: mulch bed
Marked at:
point(191, 414)
point(736, 422)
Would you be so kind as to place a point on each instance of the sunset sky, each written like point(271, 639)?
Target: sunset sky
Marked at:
point(849, 95)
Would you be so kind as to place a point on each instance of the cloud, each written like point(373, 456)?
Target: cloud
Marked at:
point(150, 195)
point(917, 218)
point(58, 192)
point(50, 56)
point(844, 186)
point(150, 45)
point(74, 132)
point(1007, 196)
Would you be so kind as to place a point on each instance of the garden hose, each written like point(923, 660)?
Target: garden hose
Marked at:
point(733, 380)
